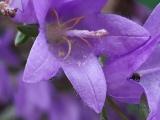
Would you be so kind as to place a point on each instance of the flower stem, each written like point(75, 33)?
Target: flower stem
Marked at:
point(103, 115)
point(117, 109)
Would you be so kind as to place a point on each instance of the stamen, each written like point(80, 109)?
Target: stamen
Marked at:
point(86, 33)
point(62, 31)
point(6, 10)
point(72, 22)
point(69, 47)
point(57, 17)
point(86, 41)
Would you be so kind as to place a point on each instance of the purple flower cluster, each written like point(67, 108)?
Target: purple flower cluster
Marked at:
point(73, 35)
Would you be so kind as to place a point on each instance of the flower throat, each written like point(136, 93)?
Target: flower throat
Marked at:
point(64, 32)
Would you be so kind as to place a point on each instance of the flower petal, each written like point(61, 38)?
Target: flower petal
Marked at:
point(128, 64)
point(123, 36)
point(88, 79)
point(18, 3)
point(41, 64)
point(6, 88)
point(151, 85)
point(27, 14)
point(130, 92)
point(29, 97)
point(77, 8)
point(153, 23)
point(150, 81)
point(41, 8)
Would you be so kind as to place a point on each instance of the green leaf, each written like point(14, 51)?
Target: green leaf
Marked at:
point(150, 3)
point(21, 38)
point(29, 30)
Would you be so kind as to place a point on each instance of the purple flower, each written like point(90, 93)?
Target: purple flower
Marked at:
point(6, 88)
point(25, 12)
point(149, 71)
point(32, 100)
point(66, 106)
point(139, 65)
point(72, 41)
point(149, 80)
point(35, 101)
point(6, 54)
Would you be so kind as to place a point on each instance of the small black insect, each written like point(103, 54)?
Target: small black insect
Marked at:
point(136, 77)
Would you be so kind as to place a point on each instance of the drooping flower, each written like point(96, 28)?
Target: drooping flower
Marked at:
point(73, 40)
point(142, 65)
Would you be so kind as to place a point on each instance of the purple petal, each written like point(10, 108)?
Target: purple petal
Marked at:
point(6, 90)
point(6, 53)
point(153, 23)
point(18, 3)
point(127, 65)
point(129, 92)
point(79, 7)
point(41, 8)
point(33, 98)
point(27, 14)
point(8, 56)
point(151, 85)
point(150, 72)
point(41, 64)
point(124, 35)
point(88, 79)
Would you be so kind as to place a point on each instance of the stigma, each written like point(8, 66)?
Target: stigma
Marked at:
point(86, 33)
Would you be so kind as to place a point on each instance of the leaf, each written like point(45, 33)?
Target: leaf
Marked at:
point(20, 38)
point(150, 3)
point(30, 30)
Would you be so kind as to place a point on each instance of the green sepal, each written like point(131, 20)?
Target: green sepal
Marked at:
point(30, 30)
point(20, 38)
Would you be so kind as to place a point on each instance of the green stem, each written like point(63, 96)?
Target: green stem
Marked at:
point(117, 109)
point(103, 115)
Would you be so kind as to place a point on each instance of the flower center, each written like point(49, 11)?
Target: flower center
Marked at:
point(64, 32)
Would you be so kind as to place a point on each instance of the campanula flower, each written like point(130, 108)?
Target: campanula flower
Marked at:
point(139, 70)
point(72, 40)
point(149, 71)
